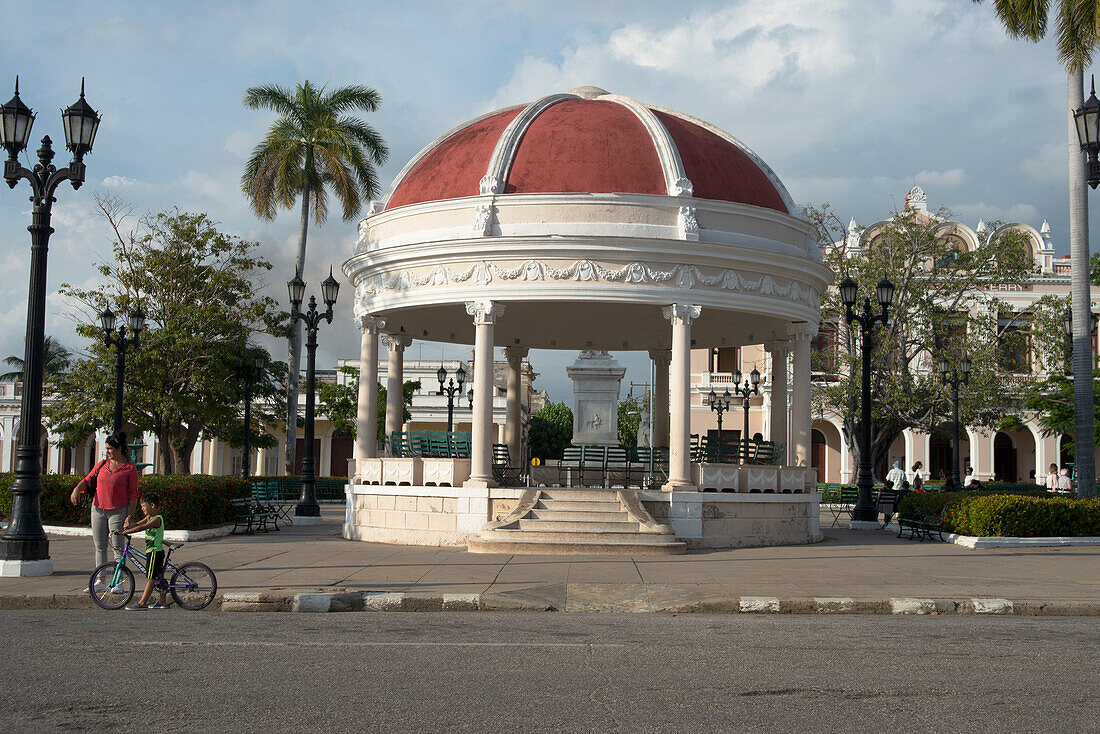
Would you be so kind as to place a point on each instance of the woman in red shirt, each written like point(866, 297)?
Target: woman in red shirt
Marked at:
point(115, 499)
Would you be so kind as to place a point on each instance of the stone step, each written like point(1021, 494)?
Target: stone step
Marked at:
point(583, 524)
point(543, 514)
point(560, 547)
point(575, 506)
point(579, 495)
point(601, 537)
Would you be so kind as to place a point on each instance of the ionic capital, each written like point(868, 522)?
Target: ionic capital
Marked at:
point(485, 312)
point(369, 324)
point(515, 355)
point(778, 347)
point(396, 342)
point(681, 313)
point(661, 356)
point(802, 330)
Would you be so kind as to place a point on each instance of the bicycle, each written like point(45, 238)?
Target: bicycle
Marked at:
point(192, 585)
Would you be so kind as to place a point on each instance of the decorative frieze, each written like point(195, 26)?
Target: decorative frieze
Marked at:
point(635, 273)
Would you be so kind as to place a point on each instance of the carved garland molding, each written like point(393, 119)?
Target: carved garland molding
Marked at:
point(681, 276)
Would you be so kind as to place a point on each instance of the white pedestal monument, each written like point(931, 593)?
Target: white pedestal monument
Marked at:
point(596, 377)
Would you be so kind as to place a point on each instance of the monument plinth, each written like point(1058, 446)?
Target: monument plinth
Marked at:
point(596, 378)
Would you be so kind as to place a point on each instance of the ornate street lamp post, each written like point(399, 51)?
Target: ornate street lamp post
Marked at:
point(1087, 118)
point(307, 511)
point(121, 343)
point(450, 390)
point(719, 404)
point(250, 371)
point(865, 510)
point(24, 548)
point(751, 387)
point(954, 378)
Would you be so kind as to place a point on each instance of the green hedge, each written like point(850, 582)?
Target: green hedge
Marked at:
point(188, 501)
point(1031, 514)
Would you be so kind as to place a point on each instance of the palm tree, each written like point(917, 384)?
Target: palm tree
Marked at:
point(1076, 24)
point(56, 360)
point(314, 145)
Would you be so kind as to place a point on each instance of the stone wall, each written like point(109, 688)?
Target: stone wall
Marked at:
point(729, 520)
point(440, 516)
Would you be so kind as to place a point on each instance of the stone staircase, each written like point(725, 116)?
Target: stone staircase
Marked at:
point(562, 521)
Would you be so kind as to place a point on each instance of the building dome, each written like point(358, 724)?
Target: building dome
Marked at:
point(584, 215)
point(588, 141)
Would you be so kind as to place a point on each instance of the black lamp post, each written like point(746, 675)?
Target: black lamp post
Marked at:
point(719, 404)
point(751, 387)
point(1087, 118)
point(865, 510)
point(470, 398)
point(121, 343)
point(451, 390)
point(307, 505)
point(954, 378)
point(25, 540)
point(250, 371)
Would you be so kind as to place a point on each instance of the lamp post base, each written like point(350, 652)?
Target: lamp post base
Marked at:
point(306, 520)
point(864, 525)
point(43, 567)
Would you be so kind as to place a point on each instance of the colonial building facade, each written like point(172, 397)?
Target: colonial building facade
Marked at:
point(1017, 455)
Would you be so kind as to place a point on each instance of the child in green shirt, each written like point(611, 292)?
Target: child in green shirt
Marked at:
point(153, 525)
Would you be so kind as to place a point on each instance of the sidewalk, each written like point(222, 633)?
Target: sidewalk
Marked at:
point(299, 568)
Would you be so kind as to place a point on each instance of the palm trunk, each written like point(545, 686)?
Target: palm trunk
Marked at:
point(1084, 440)
point(295, 357)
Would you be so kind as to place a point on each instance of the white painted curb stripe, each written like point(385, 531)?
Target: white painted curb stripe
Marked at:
point(383, 601)
point(992, 606)
point(912, 606)
point(759, 604)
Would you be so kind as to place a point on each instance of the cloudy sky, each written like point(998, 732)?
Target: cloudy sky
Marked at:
point(851, 102)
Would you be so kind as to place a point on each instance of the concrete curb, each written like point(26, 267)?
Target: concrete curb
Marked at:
point(368, 601)
point(173, 536)
point(982, 542)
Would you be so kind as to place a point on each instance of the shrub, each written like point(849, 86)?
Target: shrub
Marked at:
point(188, 501)
point(1024, 514)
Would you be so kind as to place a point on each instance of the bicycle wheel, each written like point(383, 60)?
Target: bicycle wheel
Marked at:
point(104, 589)
point(193, 586)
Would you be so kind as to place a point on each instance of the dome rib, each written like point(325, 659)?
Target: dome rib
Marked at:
point(500, 163)
point(676, 180)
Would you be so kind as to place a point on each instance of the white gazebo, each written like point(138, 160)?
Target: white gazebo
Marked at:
point(583, 220)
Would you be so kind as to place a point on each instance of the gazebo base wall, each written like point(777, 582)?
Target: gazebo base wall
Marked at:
point(435, 516)
point(737, 520)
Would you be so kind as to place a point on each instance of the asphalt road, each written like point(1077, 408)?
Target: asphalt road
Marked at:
point(484, 672)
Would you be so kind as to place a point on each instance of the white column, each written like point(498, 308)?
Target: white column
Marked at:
point(778, 418)
point(513, 427)
point(366, 415)
point(679, 463)
point(395, 383)
point(661, 359)
point(485, 314)
point(800, 410)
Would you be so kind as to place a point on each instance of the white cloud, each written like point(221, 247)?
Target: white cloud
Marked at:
point(119, 182)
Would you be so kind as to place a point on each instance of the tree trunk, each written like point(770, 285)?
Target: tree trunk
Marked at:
point(295, 357)
point(164, 449)
point(1084, 408)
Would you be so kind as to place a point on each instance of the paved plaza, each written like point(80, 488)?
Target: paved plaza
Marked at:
point(868, 568)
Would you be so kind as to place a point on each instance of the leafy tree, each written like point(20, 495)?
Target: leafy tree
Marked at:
point(340, 403)
point(56, 359)
point(1094, 269)
point(1052, 400)
point(1077, 24)
point(630, 417)
point(941, 307)
point(313, 146)
point(201, 292)
point(551, 431)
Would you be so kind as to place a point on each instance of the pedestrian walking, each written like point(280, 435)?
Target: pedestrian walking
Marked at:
point(1052, 478)
point(896, 475)
point(114, 496)
point(918, 477)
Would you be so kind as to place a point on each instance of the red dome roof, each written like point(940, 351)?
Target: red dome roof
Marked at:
point(584, 145)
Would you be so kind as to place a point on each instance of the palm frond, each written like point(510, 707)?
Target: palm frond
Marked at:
point(1077, 33)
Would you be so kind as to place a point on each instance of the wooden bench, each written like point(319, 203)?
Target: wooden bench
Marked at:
point(920, 526)
point(246, 510)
